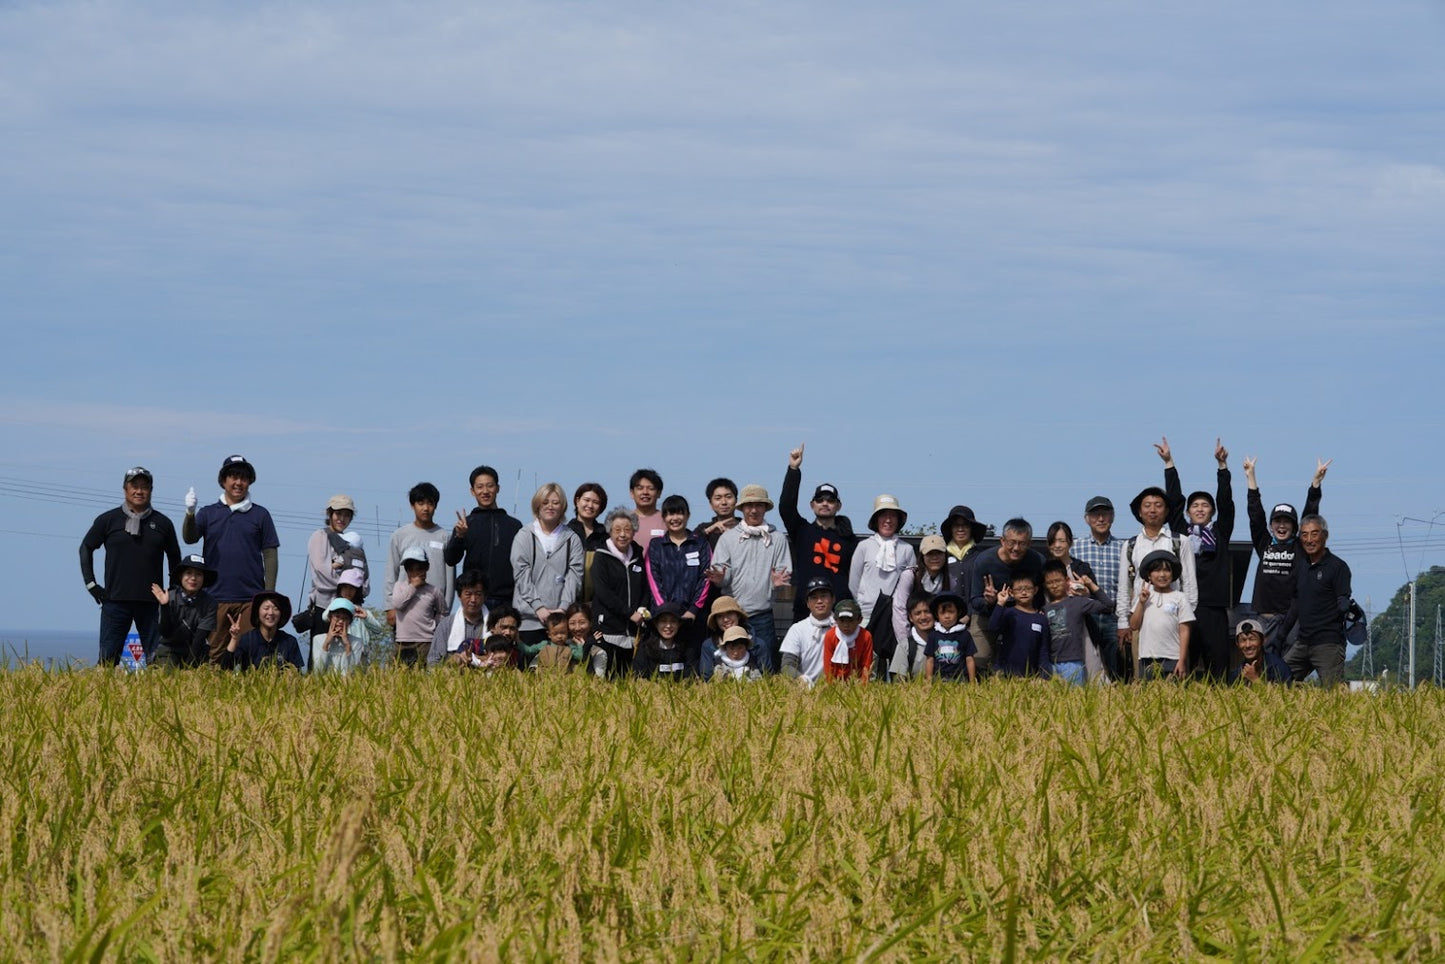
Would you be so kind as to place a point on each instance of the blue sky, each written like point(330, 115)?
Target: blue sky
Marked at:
point(969, 253)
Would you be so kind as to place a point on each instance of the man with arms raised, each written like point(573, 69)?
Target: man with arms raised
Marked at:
point(1208, 523)
point(1275, 539)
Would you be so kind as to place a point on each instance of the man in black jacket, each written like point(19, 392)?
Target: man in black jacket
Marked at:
point(1208, 521)
point(137, 539)
point(1322, 598)
point(823, 547)
point(482, 539)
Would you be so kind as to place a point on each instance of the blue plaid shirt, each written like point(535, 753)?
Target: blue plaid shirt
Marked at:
point(1105, 560)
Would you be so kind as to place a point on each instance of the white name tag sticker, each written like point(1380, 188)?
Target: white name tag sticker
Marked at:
point(358, 563)
point(693, 559)
point(1038, 627)
point(435, 544)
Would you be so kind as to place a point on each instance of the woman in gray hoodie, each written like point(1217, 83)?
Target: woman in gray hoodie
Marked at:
point(547, 562)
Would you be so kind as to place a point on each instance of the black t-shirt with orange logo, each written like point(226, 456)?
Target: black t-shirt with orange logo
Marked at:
point(817, 551)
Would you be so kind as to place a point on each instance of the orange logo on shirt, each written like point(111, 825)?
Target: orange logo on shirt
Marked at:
point(828, 554)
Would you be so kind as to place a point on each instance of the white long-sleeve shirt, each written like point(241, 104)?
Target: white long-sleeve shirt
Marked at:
point(866, 580)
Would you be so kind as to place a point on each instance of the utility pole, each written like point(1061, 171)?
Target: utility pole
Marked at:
point(1410, 680)
point(1367, 658)
point(1439, 653)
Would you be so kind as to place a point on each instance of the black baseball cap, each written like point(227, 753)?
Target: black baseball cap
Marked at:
point(826, 491)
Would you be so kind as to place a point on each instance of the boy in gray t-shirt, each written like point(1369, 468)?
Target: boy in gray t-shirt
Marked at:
point(424, 534)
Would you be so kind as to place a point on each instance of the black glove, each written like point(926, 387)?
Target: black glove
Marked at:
point(97, 593)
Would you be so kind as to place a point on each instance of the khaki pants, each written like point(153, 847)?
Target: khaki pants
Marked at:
point(221, 638)
point(983, 641)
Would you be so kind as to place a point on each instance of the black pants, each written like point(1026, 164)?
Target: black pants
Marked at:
point(412, 654)
point(1210, 647)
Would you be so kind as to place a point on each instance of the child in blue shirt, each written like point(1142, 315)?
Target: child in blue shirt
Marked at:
point(1023, 631)
point(950, 650)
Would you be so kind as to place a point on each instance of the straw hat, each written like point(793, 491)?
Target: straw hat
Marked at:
point(886, 503)
point(754, 493)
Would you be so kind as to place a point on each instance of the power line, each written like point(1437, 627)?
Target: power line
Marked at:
point(32, 491)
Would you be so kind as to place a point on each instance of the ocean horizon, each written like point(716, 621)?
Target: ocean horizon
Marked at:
point(51, 647)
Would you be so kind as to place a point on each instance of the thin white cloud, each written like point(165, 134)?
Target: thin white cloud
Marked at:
point(179, 424)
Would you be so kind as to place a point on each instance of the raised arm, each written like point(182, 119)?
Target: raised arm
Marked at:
point(1254, 507)
point(456, 548)
point(1173, 497)
point(788, 501)
point(190, 529)
point(1312, 497)
point(1223, 497)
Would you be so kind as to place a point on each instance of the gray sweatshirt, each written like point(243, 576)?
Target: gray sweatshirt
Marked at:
point(551, 580)
point(748, 566)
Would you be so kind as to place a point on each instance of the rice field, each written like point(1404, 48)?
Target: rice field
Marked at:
point(436, 815)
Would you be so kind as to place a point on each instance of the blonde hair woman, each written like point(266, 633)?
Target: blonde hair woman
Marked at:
point(546, 566)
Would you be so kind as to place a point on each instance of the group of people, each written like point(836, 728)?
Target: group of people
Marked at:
point(643, 590)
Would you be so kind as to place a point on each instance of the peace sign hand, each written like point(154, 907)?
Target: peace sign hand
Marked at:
point(461, 527)
point(1165, 453)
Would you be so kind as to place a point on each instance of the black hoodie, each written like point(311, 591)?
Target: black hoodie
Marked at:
point(487, 546)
